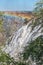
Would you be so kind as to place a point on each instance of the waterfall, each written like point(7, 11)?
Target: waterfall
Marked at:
point(27, 33)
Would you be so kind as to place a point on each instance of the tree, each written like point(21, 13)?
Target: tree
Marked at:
point(39, 8)
point(35, 50)
point(5, 59)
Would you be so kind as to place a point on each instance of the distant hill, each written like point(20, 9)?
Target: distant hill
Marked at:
point(24, 14)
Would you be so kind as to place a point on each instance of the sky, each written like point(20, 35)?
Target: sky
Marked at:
point(17, 5)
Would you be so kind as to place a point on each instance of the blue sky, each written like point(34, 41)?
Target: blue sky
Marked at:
point(17, 5)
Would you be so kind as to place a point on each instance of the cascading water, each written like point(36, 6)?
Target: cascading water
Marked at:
point(27, 33)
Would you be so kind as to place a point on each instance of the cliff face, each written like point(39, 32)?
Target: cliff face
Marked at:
point(12, 21)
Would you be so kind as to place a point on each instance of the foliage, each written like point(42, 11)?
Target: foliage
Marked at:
point(35, 50)
point(1, 13)
point(1, 22)
point(1, 25)
point(5, 59)
point(39, 8)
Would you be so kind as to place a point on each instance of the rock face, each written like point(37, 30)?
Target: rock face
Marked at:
point(10, 24)
point(27, 33)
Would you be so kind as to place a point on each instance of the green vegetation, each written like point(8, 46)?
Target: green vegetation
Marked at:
point(5, 59)
point(39, 8)
point(35, 50)
point(1, 30)
point(1, 25)
point(1, 21)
